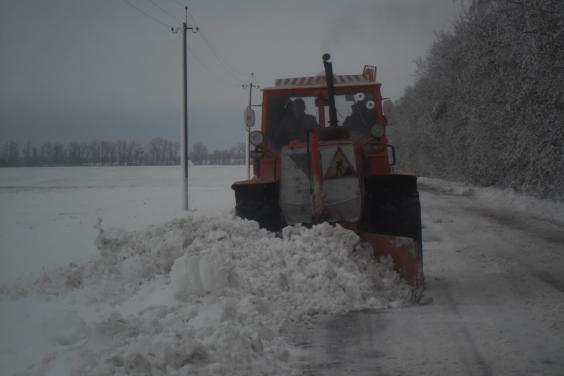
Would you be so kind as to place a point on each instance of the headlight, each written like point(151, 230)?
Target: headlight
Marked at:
point(256, 138)
point(359, 97)
point(377, 130)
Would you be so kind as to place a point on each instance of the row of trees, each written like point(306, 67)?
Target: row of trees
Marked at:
point(157, 152)
point(488, 103)
point(234, 155)
point(112, 153)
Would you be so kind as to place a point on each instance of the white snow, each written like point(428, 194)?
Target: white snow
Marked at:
point(194, 295)
point(153, 290)
point(47, 214)
point(499, 198)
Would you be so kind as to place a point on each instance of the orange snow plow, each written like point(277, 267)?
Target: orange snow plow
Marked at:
point(322, 155)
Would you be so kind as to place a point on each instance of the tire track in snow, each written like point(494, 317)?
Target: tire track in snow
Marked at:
point(545, 229)
point(476, 364)
point(501, 278)
point(551, 280)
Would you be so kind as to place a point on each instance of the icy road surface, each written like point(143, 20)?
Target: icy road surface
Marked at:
point(494, 268)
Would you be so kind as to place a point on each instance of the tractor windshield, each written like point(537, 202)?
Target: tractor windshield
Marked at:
point(290, 117)
point(357, 113)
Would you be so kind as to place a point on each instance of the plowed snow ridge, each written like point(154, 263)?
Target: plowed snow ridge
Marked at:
point(204, 296)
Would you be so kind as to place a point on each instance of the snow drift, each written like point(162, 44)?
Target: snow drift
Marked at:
point(204, 296)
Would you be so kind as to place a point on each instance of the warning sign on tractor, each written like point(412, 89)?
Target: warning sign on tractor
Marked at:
point(339, 166)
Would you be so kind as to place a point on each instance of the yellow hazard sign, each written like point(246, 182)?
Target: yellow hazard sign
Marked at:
point(339, 166)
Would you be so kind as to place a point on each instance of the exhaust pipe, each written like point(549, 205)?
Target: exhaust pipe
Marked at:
point(331, 90)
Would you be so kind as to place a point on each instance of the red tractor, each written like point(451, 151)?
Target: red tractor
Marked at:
point(322, 155)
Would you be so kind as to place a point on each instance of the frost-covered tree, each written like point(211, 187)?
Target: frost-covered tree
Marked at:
point(488, 104)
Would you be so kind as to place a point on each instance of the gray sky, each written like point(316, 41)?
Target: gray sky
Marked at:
point(85, 69)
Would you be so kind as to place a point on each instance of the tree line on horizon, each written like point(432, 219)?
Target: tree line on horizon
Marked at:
point(201, 156)
point(487, 106)
point(157, 152)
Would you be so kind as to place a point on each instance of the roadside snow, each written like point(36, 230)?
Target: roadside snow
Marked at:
point(198, 295)
point(499, 198)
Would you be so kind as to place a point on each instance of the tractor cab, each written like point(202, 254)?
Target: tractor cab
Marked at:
point(322, 155)
point(290, 115)
point(294, 106)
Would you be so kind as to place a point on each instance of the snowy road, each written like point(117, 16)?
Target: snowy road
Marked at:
point(496, 277)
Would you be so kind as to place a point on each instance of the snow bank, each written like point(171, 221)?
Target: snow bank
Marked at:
point(500, 198)
point(206, 296)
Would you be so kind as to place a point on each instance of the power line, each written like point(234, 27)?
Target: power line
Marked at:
point(226, 66)
point(153, 18)
point(219, 79)
point(211, 72)
point(165, 11)
point(190, 15)
point(236, 81)
point(179, 3)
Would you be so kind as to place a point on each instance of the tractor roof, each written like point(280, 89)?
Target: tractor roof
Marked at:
point(309, 81)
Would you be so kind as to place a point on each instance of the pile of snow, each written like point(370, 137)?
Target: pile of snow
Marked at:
point(205, 296)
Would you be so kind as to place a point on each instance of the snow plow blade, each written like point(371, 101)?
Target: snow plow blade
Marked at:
point(258, 201)
point(405, 253)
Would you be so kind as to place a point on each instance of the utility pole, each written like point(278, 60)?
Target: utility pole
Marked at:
point(184, 133)
point(249, 121)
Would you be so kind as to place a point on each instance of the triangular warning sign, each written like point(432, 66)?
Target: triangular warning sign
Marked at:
point(339, 166)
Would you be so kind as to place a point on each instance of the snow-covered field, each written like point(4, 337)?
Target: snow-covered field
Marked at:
point(48, 214)
point(118, 280)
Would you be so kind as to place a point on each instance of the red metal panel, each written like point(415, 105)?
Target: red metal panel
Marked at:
point(316, 174)
point(405, 252)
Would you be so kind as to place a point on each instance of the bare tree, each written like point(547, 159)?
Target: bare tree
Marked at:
point(199, 154)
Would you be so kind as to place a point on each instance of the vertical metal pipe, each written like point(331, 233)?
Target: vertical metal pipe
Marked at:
point(185, 117)
point(248, 143)
point(330, 89)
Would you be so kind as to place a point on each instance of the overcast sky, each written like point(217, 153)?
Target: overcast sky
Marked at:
point(86, 69)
